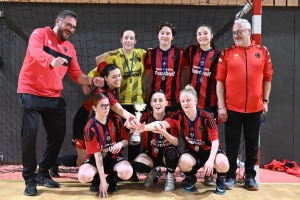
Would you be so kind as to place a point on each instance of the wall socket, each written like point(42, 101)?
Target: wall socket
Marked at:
point(1, 156)
point(1, 13)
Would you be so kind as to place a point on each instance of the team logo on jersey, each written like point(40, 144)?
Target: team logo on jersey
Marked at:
point(108, 138)
point(65, 49)
point(139, 59)
point(236, 56)
point(174, 58)
point(201, 128)
point(257, 55)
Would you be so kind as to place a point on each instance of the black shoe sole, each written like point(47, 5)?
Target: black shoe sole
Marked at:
point(46, 185)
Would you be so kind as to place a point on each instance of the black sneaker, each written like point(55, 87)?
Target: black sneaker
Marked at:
point(95, 183)
point(250, 184)
point(190, 183)
point(46, 181)
point(112, 183)
point(220, 188)
point(54, 171)
point(30, 189)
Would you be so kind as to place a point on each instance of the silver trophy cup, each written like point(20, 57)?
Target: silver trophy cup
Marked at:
point(138, 107)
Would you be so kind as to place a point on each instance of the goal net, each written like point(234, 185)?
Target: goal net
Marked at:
point(100, 24)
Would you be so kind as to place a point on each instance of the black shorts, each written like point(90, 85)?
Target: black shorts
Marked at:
point(159, 160)
point(108, 163)
point(79, 122)
point(201, 157)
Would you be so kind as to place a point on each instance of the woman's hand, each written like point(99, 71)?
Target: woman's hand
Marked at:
point(117, 148)
point(85, 89)
point(209, 167)
point(103, 189)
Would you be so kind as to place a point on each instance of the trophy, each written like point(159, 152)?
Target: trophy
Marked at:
point(138, 107)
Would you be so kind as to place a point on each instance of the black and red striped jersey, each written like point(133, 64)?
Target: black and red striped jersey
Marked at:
point(200, 132)
point(154, 142)
point(165, 72)
point(112, 96)
point(203, 76)
point(101, 137)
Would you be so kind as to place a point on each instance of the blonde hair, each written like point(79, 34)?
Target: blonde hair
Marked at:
point(191, 90)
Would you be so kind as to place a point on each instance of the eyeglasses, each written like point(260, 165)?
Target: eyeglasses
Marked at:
point(69, 26)
point(238, 32)
point(105, 106)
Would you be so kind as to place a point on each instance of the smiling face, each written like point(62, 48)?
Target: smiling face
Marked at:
point(65, 27)
point(158, 103)
point(165, 36)
point(241, 35)
point(102, 108)
point(187, 101)
point(204, 36)
point(114, 78)
point(128, 40)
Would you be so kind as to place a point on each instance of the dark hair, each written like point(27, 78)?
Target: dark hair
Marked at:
point(95, 99)
point(159, 91)
point(105, 72)
point(135, 35)
point(107, 69)
point(64, 13)
point(168, 24)
point(212, 43)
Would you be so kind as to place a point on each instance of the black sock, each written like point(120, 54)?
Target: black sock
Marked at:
point(189, 174)
point(221, 176)
point(67, 160)
point(171, 156)
point(140, 167)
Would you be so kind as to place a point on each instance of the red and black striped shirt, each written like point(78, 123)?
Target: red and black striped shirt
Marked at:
point(150, 140)
point(201, 132)
point(206, 90)
point(166, 78)
point(106, 137)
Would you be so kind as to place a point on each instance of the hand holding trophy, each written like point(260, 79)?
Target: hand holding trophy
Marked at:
point(138, 107)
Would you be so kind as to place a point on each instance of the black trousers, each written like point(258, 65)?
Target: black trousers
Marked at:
point(53, 113)
point(250, 122)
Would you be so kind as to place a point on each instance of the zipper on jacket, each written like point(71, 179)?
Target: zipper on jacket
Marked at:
point(246, 79)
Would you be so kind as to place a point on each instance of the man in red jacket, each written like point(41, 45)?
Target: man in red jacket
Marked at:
point(49, 56)
point(244, 75)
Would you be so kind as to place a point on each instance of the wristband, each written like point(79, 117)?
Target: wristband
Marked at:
point(93, 82)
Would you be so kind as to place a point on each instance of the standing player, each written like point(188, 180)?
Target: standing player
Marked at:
point(158, 147)
point(104, 137)
point(202, 74)
point(165, 64)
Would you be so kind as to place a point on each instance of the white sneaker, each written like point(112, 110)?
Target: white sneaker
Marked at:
point(150, 176)
point(169, 186)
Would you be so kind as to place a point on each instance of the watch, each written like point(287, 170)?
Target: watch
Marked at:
point(266, 100)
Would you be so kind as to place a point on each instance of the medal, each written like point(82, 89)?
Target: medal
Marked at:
point(163, 78)
point(197, 148)
point(201, 79)
point(155, 150)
